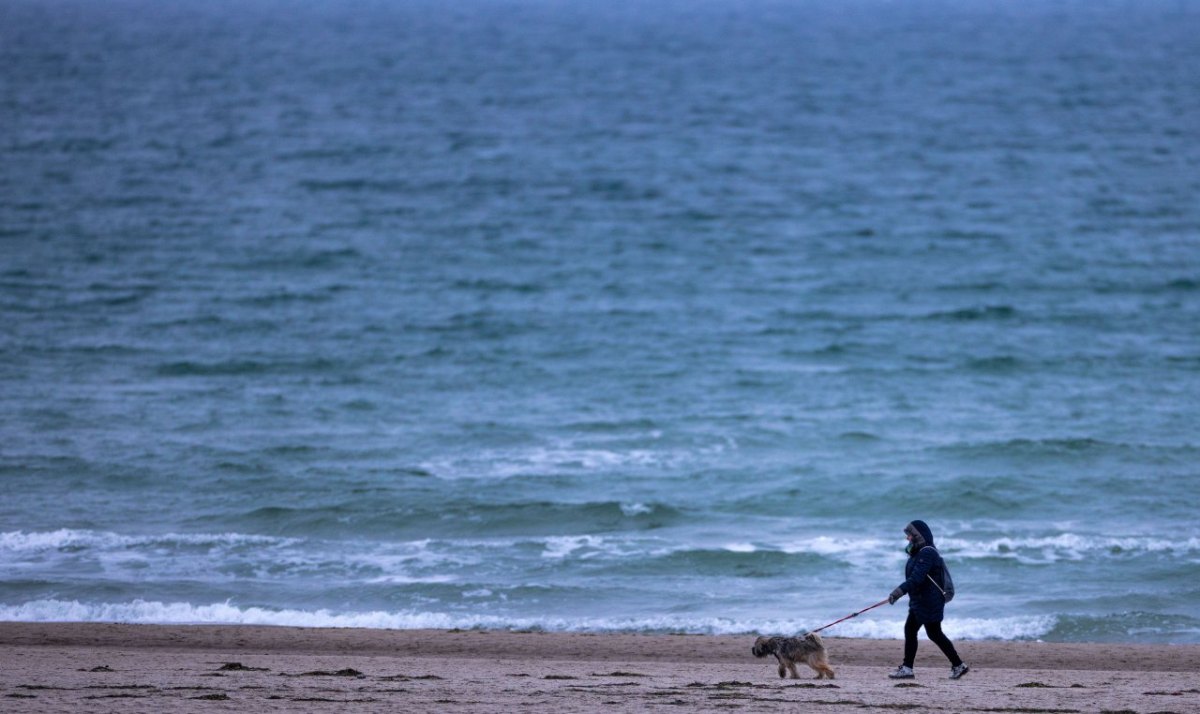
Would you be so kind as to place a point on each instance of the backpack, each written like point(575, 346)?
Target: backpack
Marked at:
point(947, 585)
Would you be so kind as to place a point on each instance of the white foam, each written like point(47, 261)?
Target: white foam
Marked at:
point(958, 628)
point(1033, 549)
point(1069, 547)
point(834, 546)
point(635, 509)
point(567, 457)
point(150, 612)
point(503, 464)
point(559, 547)
point(230, 557)
point(67, 538)
point(411, 580)
point(741, 547)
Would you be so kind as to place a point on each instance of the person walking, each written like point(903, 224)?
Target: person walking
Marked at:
point(926, 601)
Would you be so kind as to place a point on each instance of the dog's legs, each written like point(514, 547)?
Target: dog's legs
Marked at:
point(782, 671)
point(792, 668)
point(822, 669)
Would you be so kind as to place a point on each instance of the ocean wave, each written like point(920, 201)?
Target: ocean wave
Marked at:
point(227, 613)
point(1033, 447)
point(502, 464)
point(1034, 549)
point(734, 560)
point(838, 546)
point(1069, 547)
point(71, 539)
point(870, 552)
point(1148, 627)
point(355, 185)
point(1031, 627)
point(244, 367)
point(535, 519)
point(867, 552)
point(307, 259)
point(584, 546)
point(996, 364)
point(971, 314)
point(662, 553)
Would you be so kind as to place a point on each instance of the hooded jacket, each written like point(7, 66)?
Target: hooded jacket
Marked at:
point(925, 600)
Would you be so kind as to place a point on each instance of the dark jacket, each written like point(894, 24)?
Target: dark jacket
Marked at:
point(925, 600)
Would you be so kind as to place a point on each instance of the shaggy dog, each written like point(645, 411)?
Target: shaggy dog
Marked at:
point(789, 650)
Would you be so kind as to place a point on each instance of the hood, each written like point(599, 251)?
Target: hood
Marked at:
point(919, 528)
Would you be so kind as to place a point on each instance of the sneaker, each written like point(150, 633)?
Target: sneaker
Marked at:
point(902, 672)
point(960, 670)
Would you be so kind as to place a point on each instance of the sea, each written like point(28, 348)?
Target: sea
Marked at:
point(657, 316)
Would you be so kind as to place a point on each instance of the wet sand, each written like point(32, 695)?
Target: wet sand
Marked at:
point(87, 667)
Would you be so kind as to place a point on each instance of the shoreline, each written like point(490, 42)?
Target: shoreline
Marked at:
point(536, 644)
point(50, 667)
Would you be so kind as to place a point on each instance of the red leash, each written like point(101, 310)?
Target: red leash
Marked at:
point(856, 614)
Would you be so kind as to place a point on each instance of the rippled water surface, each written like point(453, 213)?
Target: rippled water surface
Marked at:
point(600, 316)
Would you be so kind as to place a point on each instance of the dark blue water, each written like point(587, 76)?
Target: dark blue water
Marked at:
point(600, 316)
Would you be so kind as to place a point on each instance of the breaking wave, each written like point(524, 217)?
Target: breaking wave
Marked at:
point(226, 613)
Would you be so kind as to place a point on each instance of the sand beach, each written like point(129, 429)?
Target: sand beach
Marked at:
point(93, 667)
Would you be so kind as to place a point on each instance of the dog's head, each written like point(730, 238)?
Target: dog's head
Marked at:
point(762, 647)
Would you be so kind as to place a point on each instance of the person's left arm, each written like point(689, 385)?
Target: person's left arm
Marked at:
point(925, 561)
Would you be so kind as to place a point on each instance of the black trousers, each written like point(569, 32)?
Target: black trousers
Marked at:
point(933, 630)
